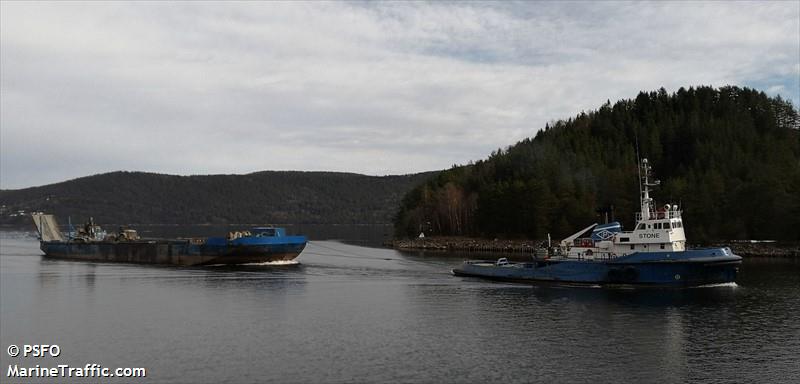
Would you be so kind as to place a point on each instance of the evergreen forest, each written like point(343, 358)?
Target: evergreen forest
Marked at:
point(729, 157)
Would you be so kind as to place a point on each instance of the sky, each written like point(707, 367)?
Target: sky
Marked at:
point(368, 87)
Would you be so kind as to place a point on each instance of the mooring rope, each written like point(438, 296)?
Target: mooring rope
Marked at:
point(346, 254)
point(352, 255)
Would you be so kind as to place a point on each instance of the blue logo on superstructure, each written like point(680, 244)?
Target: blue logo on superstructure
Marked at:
point(604, 234)
point(606, 231)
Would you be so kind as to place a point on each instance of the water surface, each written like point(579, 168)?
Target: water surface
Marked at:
point(350, 313)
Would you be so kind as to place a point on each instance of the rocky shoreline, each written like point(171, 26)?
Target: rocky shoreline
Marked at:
point(469, 244)
point(763, 249)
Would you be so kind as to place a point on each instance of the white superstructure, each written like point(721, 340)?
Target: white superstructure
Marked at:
point(657, 230)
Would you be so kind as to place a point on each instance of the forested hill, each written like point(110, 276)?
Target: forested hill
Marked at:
point(729, 156)
point(263, 197)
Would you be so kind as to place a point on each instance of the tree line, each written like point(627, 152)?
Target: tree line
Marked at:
point(730, 157)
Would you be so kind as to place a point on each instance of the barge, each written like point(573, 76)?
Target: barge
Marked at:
point(91, 243)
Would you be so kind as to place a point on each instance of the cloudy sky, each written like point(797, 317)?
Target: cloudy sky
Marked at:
point(374, 88)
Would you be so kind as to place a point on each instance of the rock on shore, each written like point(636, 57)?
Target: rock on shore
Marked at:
point(452, 243)
point(763, 249)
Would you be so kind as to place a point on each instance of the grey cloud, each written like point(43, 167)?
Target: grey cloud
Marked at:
point(198, 88)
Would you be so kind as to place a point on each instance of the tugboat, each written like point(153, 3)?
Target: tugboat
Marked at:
point(91, 243)
point(653, 254)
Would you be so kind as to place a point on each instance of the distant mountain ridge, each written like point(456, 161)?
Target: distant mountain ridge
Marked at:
point(263, 197)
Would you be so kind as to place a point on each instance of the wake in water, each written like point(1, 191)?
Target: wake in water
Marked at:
point(266, 263)
point(277, 262)
point(731, 284)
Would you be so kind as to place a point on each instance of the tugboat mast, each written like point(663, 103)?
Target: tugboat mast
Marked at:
point(644, 188)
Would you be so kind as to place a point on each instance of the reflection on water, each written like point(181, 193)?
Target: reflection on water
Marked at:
point(350, 313)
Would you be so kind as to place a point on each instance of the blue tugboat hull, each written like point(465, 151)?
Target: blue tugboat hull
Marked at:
point(673, 269)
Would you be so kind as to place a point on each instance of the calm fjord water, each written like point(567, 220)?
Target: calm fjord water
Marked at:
point(347, 313)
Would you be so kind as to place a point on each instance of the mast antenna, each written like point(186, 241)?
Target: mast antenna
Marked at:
point(638, 166)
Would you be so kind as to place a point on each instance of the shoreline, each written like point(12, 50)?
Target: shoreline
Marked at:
point(473, 244)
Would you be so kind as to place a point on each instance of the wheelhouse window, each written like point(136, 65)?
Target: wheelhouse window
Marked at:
point(624, 239)
point(641, 226)
point(267, 232)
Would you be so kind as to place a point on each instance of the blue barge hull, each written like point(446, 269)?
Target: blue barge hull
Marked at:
point(214, 250)
point(91, 243)
point(671, 269)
